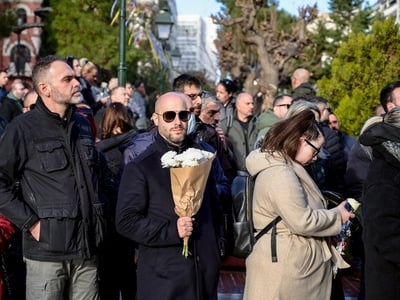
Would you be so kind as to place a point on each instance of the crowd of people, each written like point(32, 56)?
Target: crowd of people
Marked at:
point(87, 210)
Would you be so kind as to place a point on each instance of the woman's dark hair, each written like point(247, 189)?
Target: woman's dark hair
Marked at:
point(229, 85)
point(284, 136)
point(70, 61)
point(115, 116)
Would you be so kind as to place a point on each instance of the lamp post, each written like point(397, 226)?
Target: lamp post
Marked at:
point(122, 45)
point(18, 29)
point(175, 57)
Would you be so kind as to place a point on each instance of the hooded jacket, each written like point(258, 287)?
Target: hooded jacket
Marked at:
point(381, 213)
point(305, 256)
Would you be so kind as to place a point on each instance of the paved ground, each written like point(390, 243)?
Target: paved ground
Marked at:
point(231, 284)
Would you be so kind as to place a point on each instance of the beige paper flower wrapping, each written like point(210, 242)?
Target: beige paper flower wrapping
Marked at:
point(188, 185)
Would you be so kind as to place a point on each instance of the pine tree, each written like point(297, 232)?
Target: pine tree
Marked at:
point(363, 65)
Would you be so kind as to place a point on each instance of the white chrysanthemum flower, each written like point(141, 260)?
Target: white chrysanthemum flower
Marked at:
point(189, 158)
point(168, 160)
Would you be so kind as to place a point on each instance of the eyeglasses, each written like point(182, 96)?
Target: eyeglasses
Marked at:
point(317, 150)
point(287, 105)
point(170, 116)
point(194, 96)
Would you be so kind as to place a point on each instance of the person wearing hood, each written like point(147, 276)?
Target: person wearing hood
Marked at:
point(381, 209)
point(300, 84)
point(304, 255)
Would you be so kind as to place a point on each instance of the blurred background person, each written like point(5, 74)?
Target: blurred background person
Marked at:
point(300, 84)
point(345, 140)
point(12, 104)
point(210, 110)
point(29, 101)
point(3, 83)
point(117, 269)
point(225, 92)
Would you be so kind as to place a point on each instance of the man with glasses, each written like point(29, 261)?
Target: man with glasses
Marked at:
point(280, 106)
point(145, 213)
point(199, 130)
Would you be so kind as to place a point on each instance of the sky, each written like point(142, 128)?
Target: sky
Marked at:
point(207, 7)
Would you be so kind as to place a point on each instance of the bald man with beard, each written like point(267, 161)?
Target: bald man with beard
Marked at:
point(145, 214)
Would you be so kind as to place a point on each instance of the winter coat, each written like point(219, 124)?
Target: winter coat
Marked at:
point(10, 107)
point(145, 214)
point(113, 147)
point(304, 90)
point(381, 213)
point(336, 166)
point(228, 109)
point(207, 133)
point(64, 184)
point(243, 141)
point(360, 158)
point(305, 256)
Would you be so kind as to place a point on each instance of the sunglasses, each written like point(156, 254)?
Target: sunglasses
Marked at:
point(170, 116)
point(317, 150)
point(194, 96)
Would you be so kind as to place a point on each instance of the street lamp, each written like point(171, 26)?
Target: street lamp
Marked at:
point(175, 57)
point(164, 23)
point(18, 29)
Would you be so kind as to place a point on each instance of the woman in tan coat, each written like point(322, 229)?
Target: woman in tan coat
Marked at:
point(305, 257)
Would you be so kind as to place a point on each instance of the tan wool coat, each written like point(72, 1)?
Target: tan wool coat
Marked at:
point(305, 256)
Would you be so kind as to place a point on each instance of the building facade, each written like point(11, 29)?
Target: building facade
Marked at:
point(195, 40)
point(19, 51)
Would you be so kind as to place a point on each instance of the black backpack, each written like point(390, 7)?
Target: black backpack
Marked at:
point(244, 236)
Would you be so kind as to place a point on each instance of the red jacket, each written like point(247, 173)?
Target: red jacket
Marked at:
point(7, 230)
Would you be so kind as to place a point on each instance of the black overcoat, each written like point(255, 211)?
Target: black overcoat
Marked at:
point(145, 214)
point(381, 214)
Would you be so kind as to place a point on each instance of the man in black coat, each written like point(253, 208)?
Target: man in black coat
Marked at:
point(381, 209)
point(145, 214)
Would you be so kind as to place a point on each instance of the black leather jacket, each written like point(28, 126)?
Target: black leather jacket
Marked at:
point(63, 182)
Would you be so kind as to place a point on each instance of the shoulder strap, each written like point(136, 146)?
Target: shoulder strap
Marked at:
point(272, 225)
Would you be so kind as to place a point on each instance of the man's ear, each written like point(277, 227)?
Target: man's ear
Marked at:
point(44, 89)
point(390, 106)
point(154, 118)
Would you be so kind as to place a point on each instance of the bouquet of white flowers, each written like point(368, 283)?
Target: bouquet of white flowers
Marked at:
point(189, 173)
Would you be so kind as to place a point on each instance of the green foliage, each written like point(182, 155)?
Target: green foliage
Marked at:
point(362, 66)
point(346, 17)
point(8, 19)
point(83, 28)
